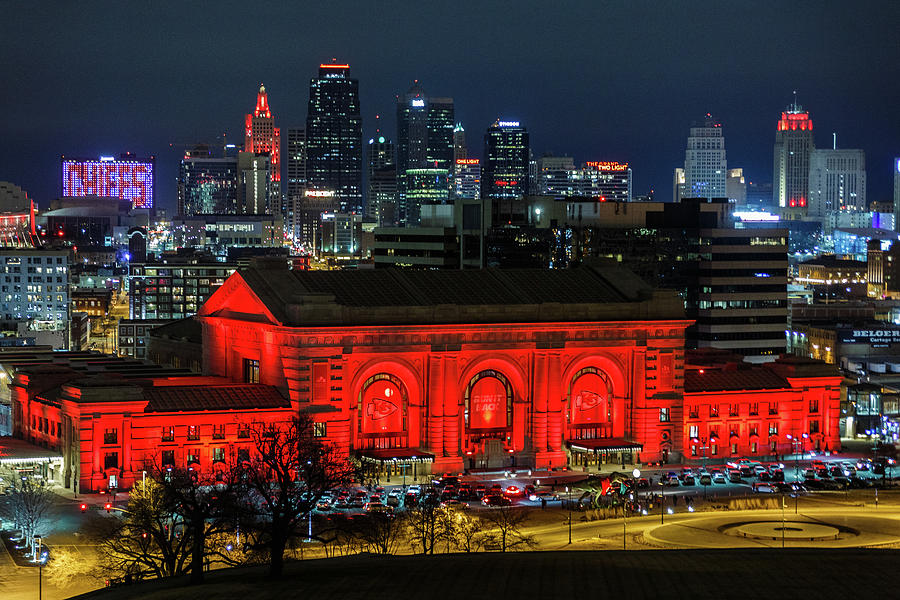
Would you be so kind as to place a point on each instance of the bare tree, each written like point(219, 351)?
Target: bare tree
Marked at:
point(68, 568)
point(506, 524)
point(424, 525)
point(29, 500)
point(286, 478)
point(380, 533)
point(466, 531)
point(206, 502)
point(146, 539)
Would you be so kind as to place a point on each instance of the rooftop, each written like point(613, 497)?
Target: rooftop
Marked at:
point(222, 397)
point(394, 296)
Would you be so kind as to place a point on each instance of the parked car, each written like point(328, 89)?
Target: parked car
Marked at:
point(719, 478)
point(706, 479)
point(734, 476)
point(543, 494)
point(688, 480)
point(393, 498)
point(496, 500)
point(760, 487)
point(480, 490)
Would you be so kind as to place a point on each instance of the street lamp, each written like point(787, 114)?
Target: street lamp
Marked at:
point(569, 506)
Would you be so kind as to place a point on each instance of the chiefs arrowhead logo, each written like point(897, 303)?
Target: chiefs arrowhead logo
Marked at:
point(379, 408)
point(587, 400)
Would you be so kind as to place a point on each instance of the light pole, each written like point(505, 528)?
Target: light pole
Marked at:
point(569, 506)
point(662, 502)
point(635, 475)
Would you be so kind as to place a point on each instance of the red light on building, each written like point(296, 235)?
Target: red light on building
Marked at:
point(607, 165)
point(468, 161)
point(323, 66)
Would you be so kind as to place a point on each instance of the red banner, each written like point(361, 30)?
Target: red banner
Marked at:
point(590, 402)
point(487, 404)
point(382, 408)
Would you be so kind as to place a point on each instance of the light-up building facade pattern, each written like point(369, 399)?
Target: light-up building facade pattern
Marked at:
point(334, 160)
point(426, 186)
point(506, 156)
point(467, 179)
point(381, 194)
point(128, 178)
point(262, 137)
point(794, 143)
point(705, 166)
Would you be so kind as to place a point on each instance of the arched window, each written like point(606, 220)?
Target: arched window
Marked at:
point(591, 403)
point(488, 402)
point(382, 412)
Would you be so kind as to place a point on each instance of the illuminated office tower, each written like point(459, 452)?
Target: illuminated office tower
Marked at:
point(705, 167)
point(467, 179)
point(207, 185)
point(381, 197)
point(554, 175)
point(334, 138)
point(794, 143)
point(896, 193)
point(837, 182)
point(262, 137)
point(460, 150)
point(506, 156)
point(425, 140)
point(127, 177)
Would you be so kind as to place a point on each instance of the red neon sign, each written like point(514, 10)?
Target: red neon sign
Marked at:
point(607, 165)
point(334, 66)
point(467, 161)
point(487, 404)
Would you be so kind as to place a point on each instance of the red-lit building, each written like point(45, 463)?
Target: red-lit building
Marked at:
point(465, 369)
point(732, 408)
point(261, 136)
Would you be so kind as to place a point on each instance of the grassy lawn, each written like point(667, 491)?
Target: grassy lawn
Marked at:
point(543, 575)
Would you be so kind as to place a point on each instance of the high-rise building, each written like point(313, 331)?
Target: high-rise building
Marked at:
point(705, 167)
point(262, 137)
point(425, 186)
point(736, 187)
point(334, 137)
point(897, 193)
point(37, 281)
point(460, 150)
point(554, 175)
point(506, 158)
point(678, 184)
point(126, 177)
point(253, 185)
point(207, 185)
point(467, 179)
point(606, 181)
point(296, 179)
point(425, 140)
point(381, 199)
point(794, 144)
point(837, 182)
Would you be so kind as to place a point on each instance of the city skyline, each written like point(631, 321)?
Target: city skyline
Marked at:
point(634, 104)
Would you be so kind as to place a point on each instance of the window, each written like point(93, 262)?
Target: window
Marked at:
point(243, 455)
point(193, 457)
point(734, 448)
point(733, 410)
point(752, 447)
point(754, 430)
point(713, 449)
point(693, 450)
point(320, 430)
point(813, 406)
point(218, 455)
point(694, 431)
point(168, 434)
point(663, 415)
point(218, 432)
point(814, 426)
point(111, 460)
point(168, 458)
point(193, 433)
point(773, 428)
point(111, 436)
point(713, 410)
point(773, 408)
point(694, 412)
point(251, 370)
point(243, 431)
point(754, 408)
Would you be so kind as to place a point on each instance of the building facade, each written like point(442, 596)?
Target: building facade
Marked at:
point(127, 178)
point(794, 144)
point(705, 165)
point(172, 291)
point(506, 161)
point(334, 161)
point(34, 289)
point(207, 185)
point(837, 182)
point(262, 137)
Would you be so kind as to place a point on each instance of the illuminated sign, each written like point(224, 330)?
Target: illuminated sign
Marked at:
point(744, 215)
point(488, 404)
point(468, 161)
point(876, 337)
point(130, 180)
point(319, 193)
point(418, 102)
point(590, 400)
point(382, 408)
point(607, 165)
point(508, 123)
point(334, 66)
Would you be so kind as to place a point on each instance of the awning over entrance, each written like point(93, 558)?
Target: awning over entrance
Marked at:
point(14, 451)
point(604, 445)
point(397, 454)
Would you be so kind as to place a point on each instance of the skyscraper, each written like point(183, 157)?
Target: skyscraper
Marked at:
point(837, 182)
point(736, 187)
point(207, 185)
point(794, 144)
point(705, 167)
point(460, 150)
point(334, 137)
point(127, 177)
point(381, 199)
point(506, 157)
point(296, 179)
point(254, 185)
point(261, 136)
point(425, 140)
point(897, 193)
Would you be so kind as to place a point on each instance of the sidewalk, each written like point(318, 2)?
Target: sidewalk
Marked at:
point(89, 498)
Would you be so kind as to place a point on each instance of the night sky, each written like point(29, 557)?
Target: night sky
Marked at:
point(597, 80)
